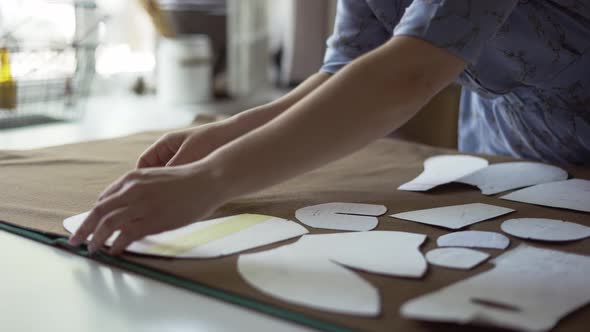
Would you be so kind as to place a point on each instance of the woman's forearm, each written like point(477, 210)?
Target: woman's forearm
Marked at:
point(365, 101)
point(249, 120)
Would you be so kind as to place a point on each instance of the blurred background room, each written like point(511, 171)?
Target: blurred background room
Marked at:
point(78, 70)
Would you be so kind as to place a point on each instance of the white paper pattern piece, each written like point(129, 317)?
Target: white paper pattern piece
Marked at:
point(341, 216)
point(456, 216)
point(456, 258)
point(571, 194)
point(545, 229)
point(502, 177)
point(210, 238)
point(529, 289)
point(474, 239)
point(444, 169)
point(311, 271)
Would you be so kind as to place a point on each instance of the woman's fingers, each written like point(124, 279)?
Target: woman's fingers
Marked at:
point(113, 187)
point(104, 207)
point(196, 146)
point(159, 153)
point(109, 224)
point(183, 156)
point(155, 156)
point(118, 185)
point(130, 233)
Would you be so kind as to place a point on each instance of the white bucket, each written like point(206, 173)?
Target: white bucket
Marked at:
point(184, 70)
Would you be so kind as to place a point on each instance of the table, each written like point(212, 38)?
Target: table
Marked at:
point(47, 289)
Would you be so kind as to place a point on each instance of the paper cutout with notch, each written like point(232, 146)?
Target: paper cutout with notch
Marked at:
point(571, 194)
point(474, 239)
point(311, 271)
point(529, 289)
point(545, 229)
point(210, 238)
point(456, 258)
point(444, 169)
point(341, 216)
point(502, 177)
point(456, 216)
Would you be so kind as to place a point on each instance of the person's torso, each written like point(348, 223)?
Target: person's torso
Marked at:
point(529, 91)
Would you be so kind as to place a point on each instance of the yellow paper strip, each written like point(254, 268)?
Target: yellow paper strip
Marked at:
point(205, 235)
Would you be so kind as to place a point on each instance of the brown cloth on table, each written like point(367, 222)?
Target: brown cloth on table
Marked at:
point(42, 187)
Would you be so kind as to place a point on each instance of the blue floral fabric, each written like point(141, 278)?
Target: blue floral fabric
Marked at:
point(526, 89)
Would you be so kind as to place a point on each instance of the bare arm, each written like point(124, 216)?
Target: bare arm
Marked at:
point(253, 118)
point(366, 100)
point(190, 145)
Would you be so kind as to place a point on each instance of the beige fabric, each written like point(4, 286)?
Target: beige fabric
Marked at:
point(42, 187)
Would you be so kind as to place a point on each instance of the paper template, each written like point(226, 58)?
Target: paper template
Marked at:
point(474, 239)
point(382, 252)
point(501, 177)
point(529, 289)
point(300, 278)
point(571, 194)
point(545, 229)
point(210, 238)
point(456, 216)
point(311, 271)
point(444, 169)
point(456, 258)
point(341, 216)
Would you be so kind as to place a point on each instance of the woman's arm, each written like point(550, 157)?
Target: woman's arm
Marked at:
point(190, 145)
point(254, 118)
point(366, 100)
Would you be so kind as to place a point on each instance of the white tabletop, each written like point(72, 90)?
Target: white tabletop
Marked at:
point(43, 288)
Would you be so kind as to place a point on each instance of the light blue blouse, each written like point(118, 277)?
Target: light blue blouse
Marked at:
point(526, 89)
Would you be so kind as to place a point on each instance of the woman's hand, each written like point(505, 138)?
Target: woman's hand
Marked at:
point(186, 146)
point(150, 201)
point(193, 144)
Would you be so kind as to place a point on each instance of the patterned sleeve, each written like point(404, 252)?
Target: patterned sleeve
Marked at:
point(356, 32)
point(461, 26)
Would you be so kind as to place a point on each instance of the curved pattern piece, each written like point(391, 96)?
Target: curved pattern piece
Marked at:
point(455, 216)
point(570, 194)
point(456, 258)
point(341, 216)
point(309, 272)
point(545, 229)
point(210, 238)
point(444, 169)
point(529, 289)
point(502, 177)
point(474, 239)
